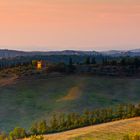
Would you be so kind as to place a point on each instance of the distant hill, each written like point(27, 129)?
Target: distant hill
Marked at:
point(11, 53)
point(14, 53)
point(4, 53)
point(117, 53)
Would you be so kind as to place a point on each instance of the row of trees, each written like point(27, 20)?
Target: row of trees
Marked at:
point(124, 61)
point(123, 66)
point(71, 60)
point(14, 62)
point(65, 122)
point(128, 64)
point(73, 120)
point(103, 60)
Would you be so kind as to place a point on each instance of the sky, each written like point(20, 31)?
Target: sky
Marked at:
point(69, 24)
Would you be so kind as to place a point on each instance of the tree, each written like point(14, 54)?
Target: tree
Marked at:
point(114, 62)
point(39, 128)
point(34, 128)
point(54, 123)
point(71, 67)
point(70, 61)
point(62, 121)
point(42, 127)
point(3, 136)
point(93, 60)
point(88, 60)
point(17, 133)
point(123, 61)
point(104, 61)
point(136, 62)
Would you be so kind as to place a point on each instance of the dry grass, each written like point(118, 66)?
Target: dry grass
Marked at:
point(108, 131)
point(73, 94)
point(8, 80)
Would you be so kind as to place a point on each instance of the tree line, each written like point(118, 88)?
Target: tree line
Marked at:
point(72, 59)
point(73, 120)
point(122, 66)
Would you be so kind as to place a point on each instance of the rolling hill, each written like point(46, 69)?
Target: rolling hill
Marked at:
point(25, 100)
point(4, 53)
point(108, 131)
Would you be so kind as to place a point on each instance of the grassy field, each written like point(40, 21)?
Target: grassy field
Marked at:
point(108, 131)
point(22, 101)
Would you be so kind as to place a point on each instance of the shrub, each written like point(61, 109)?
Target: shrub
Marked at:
point(17, 133)
point(42, 127)
point(39, 128)
point(3, 136)
point(34, 129)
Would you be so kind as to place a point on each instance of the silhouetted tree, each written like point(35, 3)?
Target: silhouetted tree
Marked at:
point(93, 60)
point(70, 61)
point(87, 60)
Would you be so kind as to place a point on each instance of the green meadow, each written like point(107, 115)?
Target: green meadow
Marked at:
point(25, 100)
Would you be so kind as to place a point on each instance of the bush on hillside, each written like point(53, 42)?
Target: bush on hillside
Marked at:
point(17, 133)
point(3, 136)
point(39, 128)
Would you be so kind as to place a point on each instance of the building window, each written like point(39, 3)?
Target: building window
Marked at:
point(39, 65)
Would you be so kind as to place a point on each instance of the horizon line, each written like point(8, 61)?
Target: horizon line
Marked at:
point(68, 50)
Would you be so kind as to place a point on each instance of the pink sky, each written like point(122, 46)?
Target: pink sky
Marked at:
point(69, 24)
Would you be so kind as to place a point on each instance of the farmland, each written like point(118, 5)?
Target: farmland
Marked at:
point(27, 99)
